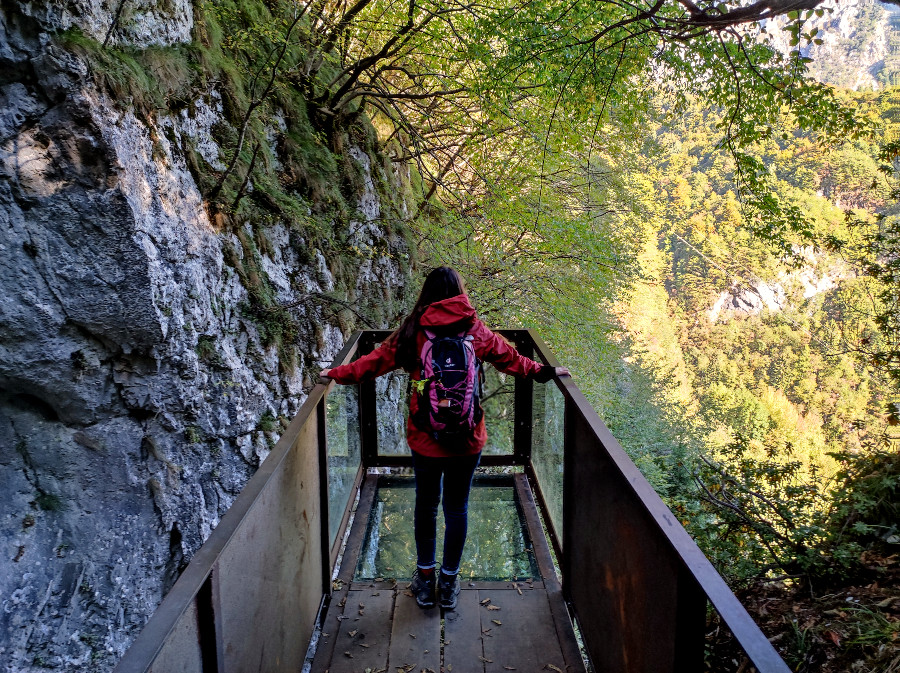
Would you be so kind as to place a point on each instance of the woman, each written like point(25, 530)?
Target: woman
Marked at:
point(443, 309)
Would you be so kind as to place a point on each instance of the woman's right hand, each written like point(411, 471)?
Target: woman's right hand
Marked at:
point(562, 371)
point(325, 374)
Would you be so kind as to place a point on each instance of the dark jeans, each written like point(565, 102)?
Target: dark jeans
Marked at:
point(457, 473)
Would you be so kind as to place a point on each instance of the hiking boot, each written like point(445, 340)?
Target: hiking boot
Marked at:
point(422, 587)
point(448, 590)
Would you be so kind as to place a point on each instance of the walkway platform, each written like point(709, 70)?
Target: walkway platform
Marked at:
point(263, 588)
point(519, 623)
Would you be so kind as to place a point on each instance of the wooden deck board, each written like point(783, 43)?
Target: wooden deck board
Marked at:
point(415, 636)
point(463, 651)
point(328, 635)
point(364, 635)
point(525, 638)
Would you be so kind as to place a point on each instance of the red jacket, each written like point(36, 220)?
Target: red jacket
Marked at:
point(490, 347)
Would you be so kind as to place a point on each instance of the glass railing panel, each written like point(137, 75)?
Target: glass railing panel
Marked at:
point(392, 410)
point(344, 455)
point(497, 548)
point(547, 448)
point(498, 403)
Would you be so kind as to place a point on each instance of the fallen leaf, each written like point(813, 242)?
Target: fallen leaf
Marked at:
point(886, 602)
point(353, 632)
point(554, 668)
point(412, 635)
point(343, 602)
point(361, 613)
point(348, 654)
point(834, 637)
point(379, 579)
point(493, 607)
point(497, 622)
point(363, 644)
point(487, 661)
point(486, 601)
point(409, 593)
point(362, 607)
point(519, 590)
point(509, 668)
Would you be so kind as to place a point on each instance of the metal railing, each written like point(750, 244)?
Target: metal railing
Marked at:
point(636, 583)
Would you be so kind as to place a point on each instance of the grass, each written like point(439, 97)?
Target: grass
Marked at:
point(48, 502)
point(268, 423)
point(872, 627)
point(193, 434)
point(207, 350)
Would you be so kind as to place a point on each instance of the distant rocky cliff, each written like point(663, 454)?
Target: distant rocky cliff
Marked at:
point(860, 46)
point(140, 385)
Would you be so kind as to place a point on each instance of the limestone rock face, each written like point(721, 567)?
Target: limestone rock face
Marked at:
point(788, 289)
point(132, 22)
point(859, 47)
point(132, 384)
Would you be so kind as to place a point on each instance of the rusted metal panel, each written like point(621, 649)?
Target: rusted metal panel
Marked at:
point(621, 580)
point(181, 651)
point(267, 582)
point(598, 454)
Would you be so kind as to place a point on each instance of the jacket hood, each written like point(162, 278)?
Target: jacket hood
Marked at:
point(448, 312)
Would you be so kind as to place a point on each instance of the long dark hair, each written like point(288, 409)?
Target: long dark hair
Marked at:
point(442, 283)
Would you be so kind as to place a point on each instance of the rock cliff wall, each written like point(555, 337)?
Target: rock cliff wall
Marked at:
point(139, 389)
point(860, 43)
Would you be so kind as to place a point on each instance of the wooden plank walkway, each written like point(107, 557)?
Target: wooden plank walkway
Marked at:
point(377, 627)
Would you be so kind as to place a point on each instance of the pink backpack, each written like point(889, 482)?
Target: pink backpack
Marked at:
point(450, 389)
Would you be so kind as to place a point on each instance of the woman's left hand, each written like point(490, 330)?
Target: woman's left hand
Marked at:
point(325, 374)
point(562, 371)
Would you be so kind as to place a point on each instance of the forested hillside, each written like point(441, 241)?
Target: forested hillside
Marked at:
point(786, 466)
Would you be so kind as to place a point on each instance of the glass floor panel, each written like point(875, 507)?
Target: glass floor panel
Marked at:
point(497, 548)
